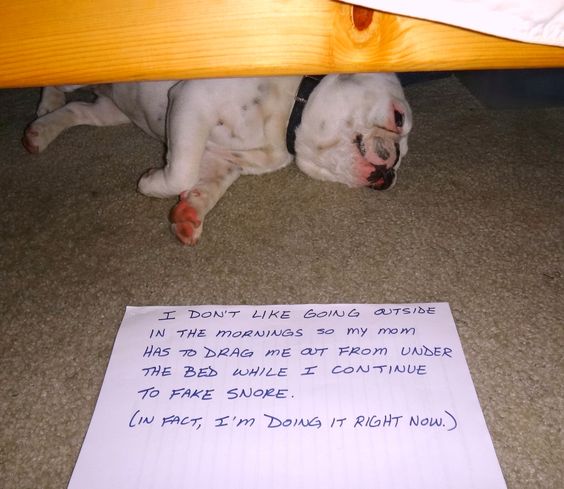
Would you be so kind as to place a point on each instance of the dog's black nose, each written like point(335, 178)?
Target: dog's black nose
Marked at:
point(381, 178)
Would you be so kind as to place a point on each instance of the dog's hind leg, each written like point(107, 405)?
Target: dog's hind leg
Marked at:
point(41, 132)
point(52, 98)
point(188, 214)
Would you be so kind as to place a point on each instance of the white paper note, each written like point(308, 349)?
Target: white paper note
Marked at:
point(288, 397)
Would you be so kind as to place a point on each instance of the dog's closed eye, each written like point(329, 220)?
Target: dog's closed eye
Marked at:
point(399, 118)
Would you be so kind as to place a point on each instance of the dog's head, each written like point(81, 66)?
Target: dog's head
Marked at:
point(354, 130)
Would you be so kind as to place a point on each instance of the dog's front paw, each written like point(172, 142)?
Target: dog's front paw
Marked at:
point(153, 183)
point(186, 224)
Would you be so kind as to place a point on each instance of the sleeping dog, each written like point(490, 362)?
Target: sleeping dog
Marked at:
point(342, 128)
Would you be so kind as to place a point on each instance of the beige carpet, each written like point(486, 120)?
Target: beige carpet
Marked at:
point(476, 220)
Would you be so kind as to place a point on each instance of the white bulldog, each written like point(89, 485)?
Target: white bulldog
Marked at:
point(353, 130)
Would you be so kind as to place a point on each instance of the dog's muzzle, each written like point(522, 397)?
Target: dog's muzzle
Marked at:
point(383, 177)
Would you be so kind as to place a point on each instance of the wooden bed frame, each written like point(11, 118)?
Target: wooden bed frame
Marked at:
point(48, 42)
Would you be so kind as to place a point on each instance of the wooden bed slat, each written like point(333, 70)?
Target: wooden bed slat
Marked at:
point(83, 41)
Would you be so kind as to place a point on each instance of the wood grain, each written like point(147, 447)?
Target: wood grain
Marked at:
point(45, 42)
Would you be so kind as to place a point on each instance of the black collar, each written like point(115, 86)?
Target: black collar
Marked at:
point(307, 86)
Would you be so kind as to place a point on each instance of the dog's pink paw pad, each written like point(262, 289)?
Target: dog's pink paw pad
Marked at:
point(182, 212)
point(186, 233)
point(27, 141)
point(185, 222)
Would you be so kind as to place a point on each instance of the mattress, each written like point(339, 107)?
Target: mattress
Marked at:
point(533, 21)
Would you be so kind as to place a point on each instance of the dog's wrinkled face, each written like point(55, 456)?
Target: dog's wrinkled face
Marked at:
point(354, 130)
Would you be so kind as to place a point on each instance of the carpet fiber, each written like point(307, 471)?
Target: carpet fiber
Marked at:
point(474, 220)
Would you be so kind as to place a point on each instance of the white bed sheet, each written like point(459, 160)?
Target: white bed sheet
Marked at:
point(534, 21)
